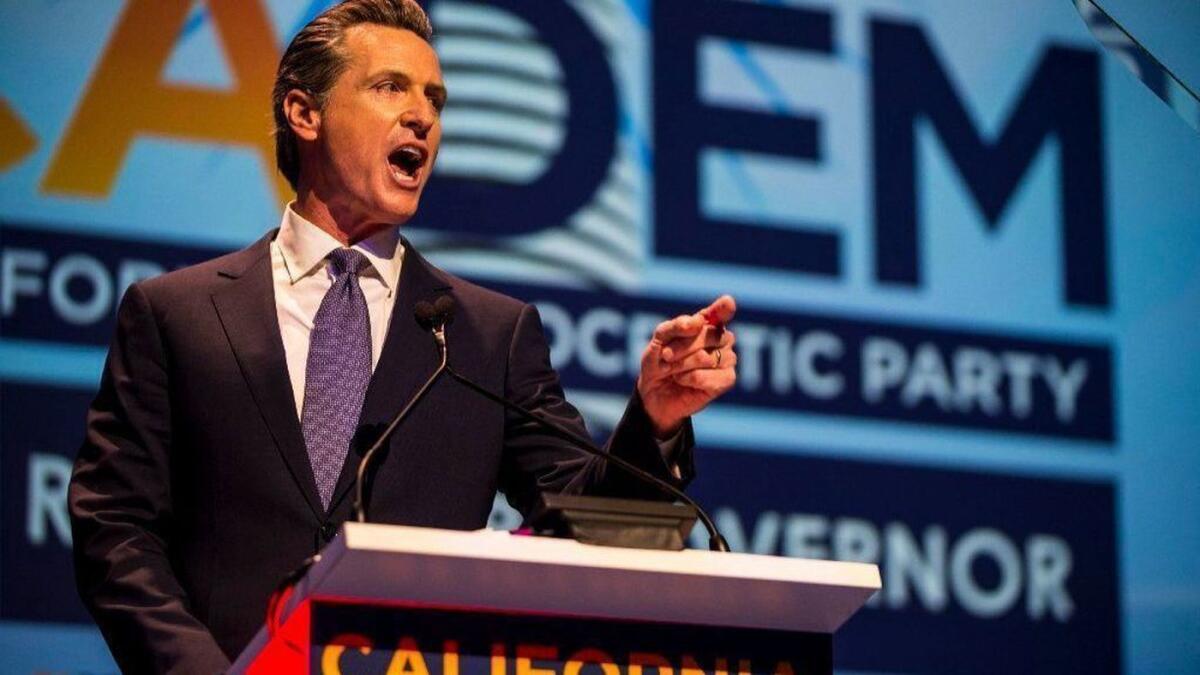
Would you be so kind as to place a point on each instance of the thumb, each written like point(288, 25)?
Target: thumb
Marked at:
point(721, 311)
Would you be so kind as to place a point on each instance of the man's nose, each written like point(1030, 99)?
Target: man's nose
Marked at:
point(419, 118)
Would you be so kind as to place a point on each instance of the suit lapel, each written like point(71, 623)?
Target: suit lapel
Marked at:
point(408, 358)
point(246, 308)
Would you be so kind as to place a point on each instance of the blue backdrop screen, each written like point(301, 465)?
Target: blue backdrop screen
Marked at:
point(962, 237)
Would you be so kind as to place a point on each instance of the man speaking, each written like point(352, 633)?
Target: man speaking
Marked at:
point(237, 394)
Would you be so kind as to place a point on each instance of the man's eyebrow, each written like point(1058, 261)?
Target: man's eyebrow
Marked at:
point(395, 74)
point(390, 73)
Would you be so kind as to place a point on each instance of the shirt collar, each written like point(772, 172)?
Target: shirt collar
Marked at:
point(305, 247)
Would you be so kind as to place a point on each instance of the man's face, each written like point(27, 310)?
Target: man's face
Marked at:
point(380, 126)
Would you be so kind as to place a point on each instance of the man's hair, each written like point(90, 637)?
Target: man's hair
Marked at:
point(314, 60)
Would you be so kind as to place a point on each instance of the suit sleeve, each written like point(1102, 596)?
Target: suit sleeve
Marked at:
point(535, 462)
point(120, 505)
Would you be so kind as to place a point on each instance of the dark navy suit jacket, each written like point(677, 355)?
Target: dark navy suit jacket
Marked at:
point(192, 494)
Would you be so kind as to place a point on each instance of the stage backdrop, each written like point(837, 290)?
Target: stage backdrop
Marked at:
point(962, 236)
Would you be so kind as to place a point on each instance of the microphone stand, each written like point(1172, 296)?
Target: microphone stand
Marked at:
point(360, 507)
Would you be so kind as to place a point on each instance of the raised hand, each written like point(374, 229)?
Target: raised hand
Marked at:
point(689, 362)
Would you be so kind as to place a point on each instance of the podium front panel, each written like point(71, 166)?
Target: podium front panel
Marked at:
point(402, 639)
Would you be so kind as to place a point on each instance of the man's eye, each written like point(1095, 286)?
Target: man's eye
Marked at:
point(389, 87)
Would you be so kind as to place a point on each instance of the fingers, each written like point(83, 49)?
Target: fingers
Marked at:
point(717, 314)
point(684, 325)
point(687, 334)
point(711, 381)
point(655, 357)
point(710, 338)
point(705, 359)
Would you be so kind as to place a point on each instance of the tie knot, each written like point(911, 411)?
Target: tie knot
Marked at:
point(347, 260)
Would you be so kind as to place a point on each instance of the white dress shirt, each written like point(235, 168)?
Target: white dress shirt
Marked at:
point(301, 275)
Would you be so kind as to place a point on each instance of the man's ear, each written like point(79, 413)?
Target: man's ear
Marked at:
point(302, 114)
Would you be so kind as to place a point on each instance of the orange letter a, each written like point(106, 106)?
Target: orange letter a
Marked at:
point(126, 97)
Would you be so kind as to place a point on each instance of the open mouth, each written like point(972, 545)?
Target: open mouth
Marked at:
point(406, 163)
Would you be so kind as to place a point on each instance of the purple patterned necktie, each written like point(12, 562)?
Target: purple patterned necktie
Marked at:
point(338, 370)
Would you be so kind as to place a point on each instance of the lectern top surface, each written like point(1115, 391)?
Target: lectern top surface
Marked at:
point(502, 546)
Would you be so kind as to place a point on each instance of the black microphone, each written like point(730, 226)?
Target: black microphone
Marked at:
point(435, 319)
point(432, 317)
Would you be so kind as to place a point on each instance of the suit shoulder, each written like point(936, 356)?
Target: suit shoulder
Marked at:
point(200, 279)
